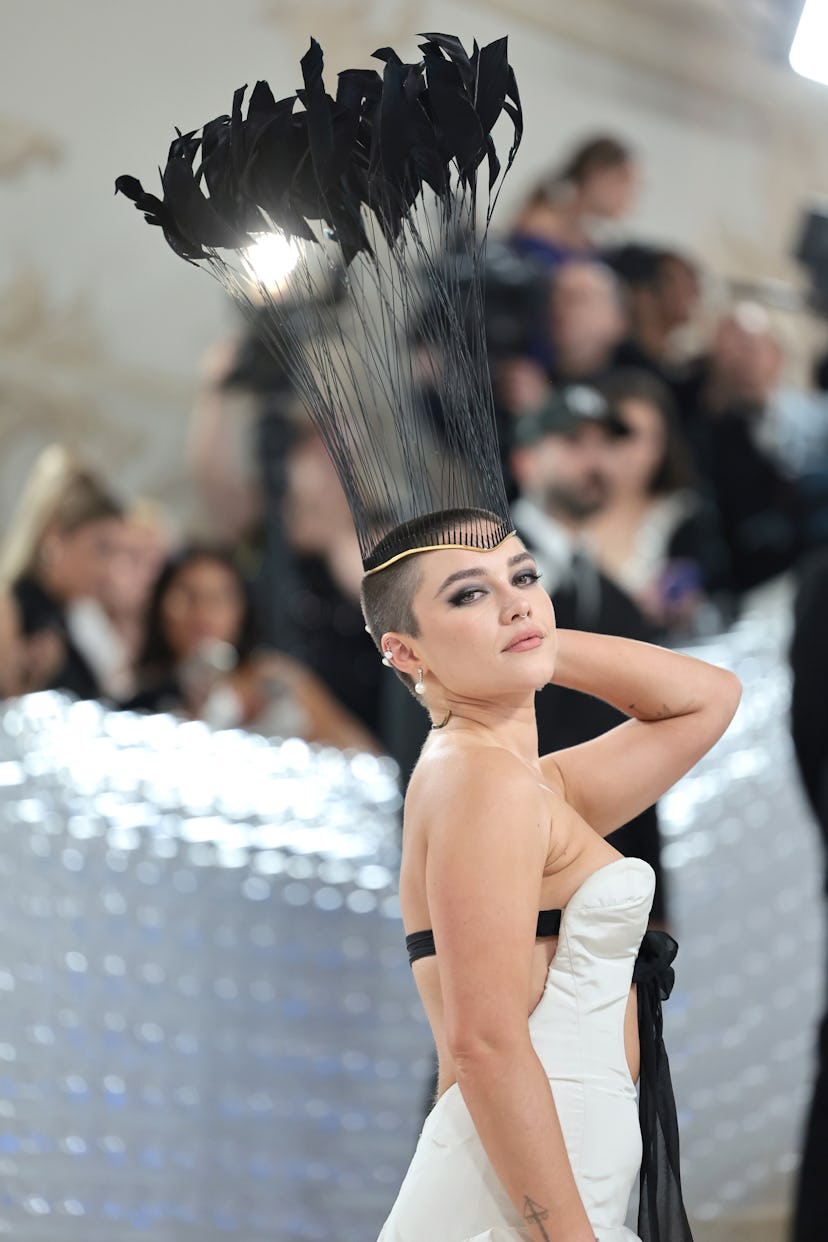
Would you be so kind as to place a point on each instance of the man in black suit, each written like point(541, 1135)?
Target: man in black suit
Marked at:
point(809, 723)
point(559, 460)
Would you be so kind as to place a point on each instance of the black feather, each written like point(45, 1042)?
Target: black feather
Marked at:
point(381, 184)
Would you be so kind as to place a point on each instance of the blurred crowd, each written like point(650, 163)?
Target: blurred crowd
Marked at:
point(660, 464)
point(660, 472)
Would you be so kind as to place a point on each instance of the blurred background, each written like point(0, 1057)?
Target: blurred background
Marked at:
point(208, 1021)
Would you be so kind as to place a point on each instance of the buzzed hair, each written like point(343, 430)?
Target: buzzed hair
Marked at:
point(387, 596)
point(387, 600)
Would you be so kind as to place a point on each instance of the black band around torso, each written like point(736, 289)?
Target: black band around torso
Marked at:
point(421, 943)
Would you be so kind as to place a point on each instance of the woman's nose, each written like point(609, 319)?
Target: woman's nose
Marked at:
point(518, 610)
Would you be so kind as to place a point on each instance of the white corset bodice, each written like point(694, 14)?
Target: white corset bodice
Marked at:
point(577, 1029)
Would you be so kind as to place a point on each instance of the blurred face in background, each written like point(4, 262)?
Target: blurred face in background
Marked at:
point(586, 317)
point(76, 564)
point(610, 192)
point(204, 601)
point(568, 473)
point(316, 511)
point(138, 553)
point(635, 459)
point(747, 358)
point(678, 292)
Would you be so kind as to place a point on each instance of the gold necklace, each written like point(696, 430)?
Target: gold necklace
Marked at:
point(444, 721)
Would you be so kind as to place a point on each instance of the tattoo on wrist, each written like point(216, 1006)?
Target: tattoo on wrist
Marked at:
point(536, 1214)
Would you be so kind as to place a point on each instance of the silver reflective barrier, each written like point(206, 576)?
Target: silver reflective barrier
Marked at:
point(207, 1022)
point(745, 868)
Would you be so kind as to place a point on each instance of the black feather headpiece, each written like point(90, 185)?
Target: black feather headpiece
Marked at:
point(380, 325)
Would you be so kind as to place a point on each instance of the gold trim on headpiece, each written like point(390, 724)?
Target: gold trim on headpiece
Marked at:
point(436, 547)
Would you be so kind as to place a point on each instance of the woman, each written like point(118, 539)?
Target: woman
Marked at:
point(656, 537)
point(109, 627)
point(559, 219)
point(57, 556)
point(144, 542)
point(199, 657)
point(534, 1134)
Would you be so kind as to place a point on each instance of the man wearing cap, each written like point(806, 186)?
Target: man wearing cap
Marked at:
point(559, 459)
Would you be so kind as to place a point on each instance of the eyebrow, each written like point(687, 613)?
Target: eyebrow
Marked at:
point(462, 574)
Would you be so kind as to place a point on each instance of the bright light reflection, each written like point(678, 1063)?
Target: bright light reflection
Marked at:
point(271, 259)
point(809, 50)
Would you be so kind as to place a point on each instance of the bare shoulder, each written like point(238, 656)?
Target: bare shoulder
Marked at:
point(478, 838)
point(470, 781)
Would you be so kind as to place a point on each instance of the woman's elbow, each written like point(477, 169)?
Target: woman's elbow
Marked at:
point(472, 1045)
point(722, 700)
point(730, 694)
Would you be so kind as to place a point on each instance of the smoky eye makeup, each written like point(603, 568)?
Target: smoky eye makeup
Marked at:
point(463, 596)
point(523, 577)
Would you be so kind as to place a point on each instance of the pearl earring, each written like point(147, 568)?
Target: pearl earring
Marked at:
point(387, 657)
point(419, 684)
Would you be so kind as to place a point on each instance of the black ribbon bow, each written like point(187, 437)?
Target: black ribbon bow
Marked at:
point(661, 1214)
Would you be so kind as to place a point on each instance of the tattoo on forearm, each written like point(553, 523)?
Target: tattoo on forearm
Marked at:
point(536, 1214)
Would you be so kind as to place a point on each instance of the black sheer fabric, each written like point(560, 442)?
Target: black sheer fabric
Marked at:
point(661, 1214)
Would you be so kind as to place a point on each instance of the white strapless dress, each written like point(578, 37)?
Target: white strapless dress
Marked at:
point(451, 1192)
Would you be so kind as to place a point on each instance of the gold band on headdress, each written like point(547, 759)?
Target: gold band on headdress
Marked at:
point(436, 547)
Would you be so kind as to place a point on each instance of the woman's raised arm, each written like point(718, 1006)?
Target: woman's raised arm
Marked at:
point(680, 707)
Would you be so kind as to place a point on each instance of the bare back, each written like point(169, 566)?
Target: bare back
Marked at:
point(572, 850)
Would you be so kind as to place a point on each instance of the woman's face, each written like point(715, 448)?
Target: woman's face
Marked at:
point(202, 602)
point(474, 644)
point(636, 458)
point(76, 564)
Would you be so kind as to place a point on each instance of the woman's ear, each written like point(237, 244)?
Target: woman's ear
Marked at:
point(403, 656)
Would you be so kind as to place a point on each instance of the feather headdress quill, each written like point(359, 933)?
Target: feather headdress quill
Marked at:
point(380, 188)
